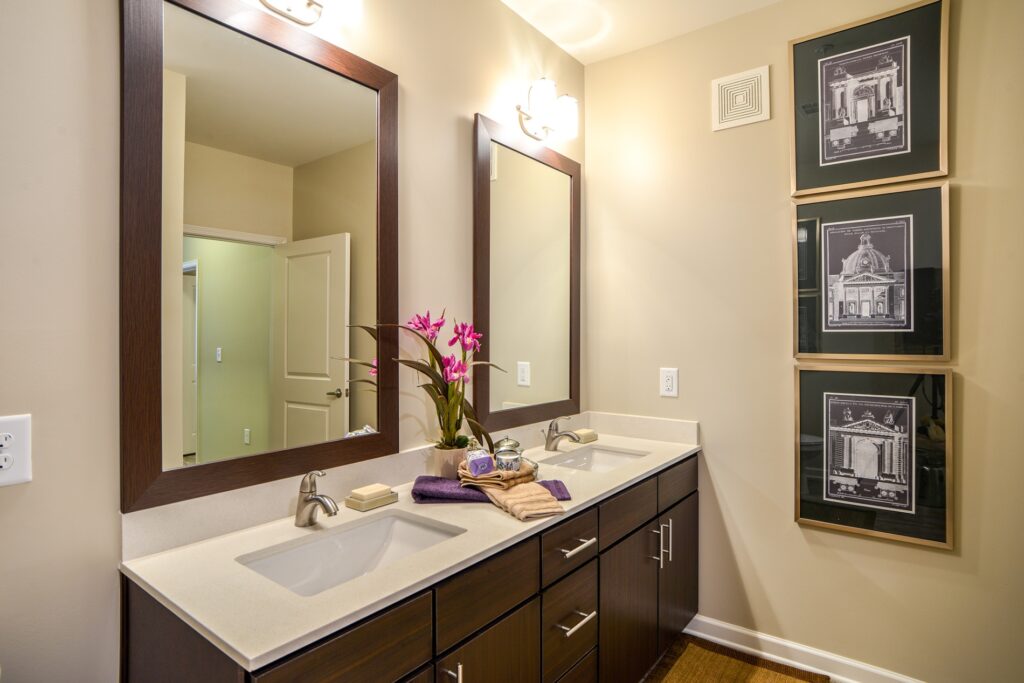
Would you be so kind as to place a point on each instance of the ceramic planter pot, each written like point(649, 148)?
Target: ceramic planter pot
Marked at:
point(444, 462)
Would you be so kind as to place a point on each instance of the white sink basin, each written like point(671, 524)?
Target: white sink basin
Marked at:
point(595, 458)
point(308, 566)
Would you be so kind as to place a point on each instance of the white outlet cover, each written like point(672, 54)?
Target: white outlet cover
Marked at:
point(523, 373)
point(668, 382)
point(17, 450)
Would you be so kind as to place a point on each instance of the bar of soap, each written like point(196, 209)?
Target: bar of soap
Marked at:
point(370, 491)
point(364, 505)
point(586, 435)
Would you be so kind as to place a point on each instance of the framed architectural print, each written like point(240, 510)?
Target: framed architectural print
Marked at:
point(874, 451)
point(880, 265)
point(869, 101)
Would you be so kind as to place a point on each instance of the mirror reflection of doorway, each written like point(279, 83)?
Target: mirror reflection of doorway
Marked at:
point(190, 364)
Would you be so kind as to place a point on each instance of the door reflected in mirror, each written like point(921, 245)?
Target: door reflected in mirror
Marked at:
point(268, 250)
point(530, 233)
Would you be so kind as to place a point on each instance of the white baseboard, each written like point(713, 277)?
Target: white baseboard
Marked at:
point(839, 669)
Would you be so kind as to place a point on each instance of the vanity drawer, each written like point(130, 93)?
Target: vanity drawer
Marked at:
point(424, 675)
point(385, 648)
point(481, 594)
point(627, 511)
point(584, 672)
point(566, 546)
point(507, 651)
point(569, 604)
point(676, 483)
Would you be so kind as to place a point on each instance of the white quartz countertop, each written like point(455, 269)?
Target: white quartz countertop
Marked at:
point(255, 621)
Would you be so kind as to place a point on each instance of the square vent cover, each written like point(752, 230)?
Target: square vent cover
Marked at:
point(740, 99)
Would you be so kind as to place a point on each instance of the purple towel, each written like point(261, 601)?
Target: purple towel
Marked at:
point(429, 489)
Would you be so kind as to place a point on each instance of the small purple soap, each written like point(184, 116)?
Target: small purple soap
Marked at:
point(479, 462)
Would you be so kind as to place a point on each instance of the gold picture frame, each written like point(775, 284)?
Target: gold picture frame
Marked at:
point(943, 105)
point(948, 542)
point(943, 187)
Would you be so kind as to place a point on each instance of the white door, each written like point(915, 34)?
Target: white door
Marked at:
point(309, 388)
point(189, 365)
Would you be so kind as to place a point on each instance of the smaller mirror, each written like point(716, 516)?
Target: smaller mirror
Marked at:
point(526, 289)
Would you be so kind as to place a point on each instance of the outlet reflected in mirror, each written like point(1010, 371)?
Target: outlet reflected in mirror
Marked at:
point(269, 247)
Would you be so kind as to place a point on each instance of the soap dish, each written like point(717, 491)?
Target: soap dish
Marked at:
point(365, 505)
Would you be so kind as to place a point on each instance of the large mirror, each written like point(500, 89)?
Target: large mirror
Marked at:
point(526, 280)
point(274, 229)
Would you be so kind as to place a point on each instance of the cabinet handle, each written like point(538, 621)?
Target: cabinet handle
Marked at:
point(577, 627)
point(453, 674)
point(670, 539)
point(660, 557)
point(584, 543)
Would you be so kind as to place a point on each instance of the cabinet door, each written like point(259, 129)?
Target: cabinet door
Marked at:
point(677, 580)
point(628, 640)
point(507, 652)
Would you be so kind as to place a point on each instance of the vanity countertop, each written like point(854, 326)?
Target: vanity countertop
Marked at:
point(255, 621)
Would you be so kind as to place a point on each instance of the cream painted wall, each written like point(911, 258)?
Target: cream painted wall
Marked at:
point(236, 192)
point(530, 207)
point(337, 194)
point(58, 352)
point(689, 242)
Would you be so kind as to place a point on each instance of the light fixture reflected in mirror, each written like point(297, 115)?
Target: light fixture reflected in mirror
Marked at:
point(305, 12)
point(547, 113)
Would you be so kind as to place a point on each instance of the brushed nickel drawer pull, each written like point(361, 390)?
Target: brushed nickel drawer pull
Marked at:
point(577, 627)
point(453, 674)
point(584, 543)
point(670, 539)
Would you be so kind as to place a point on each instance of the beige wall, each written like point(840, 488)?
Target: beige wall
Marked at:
point(58, 352)
point(689, 239)
point(236, 192)
point(338, 194)
point(530, 208)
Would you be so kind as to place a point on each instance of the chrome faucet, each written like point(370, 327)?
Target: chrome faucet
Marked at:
point(310, 501)
point(552, 437)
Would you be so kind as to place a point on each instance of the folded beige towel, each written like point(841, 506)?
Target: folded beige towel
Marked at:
point(525, 501)
point(497, 479)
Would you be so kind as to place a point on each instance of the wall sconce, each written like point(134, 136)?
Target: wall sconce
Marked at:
point(547, 113)
point(305, 12)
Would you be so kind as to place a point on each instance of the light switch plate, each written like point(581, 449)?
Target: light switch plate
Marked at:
point(668, 384)
point(15, 449)
point(523, 373)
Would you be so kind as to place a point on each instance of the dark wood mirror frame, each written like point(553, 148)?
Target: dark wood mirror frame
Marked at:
point(486, 131)
point(144, 484)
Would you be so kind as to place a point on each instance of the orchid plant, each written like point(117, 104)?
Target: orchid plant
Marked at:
point(447, 376)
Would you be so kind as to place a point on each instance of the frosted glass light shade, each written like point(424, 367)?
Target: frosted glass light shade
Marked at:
point(567, 117)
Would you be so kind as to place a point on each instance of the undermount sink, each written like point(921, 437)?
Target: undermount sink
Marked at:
point(308, 566)
point(595, 458)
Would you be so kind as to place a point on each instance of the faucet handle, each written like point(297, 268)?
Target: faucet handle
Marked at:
point(308, 484)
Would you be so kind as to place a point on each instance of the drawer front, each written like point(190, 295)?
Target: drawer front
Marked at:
point(424, 675)
point(385, 648)
point(627, 510)
point(584, 672)
point(677, 483)
point(507, 652)
point(481, 594)
point(569, 621)
point(568, 546)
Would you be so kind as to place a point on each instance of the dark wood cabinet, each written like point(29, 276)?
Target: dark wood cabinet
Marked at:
point(507, 652)
point(628, 607)
point(677, 579)
point(621, 574)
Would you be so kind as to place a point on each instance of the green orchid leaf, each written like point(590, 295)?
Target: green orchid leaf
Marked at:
point(369, 329)
point(431, 349)
point(432, 374)
point(483, 362)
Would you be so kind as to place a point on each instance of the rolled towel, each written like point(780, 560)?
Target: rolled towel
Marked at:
point(428, 489)
point(498, 479)
point(525, 501)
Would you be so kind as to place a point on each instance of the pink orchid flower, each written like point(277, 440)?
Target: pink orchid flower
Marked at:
point(454, 369)
point(373, 370)
point(423, 324)
point(466, 335)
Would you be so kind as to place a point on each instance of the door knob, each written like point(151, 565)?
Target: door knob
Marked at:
point(338, 393)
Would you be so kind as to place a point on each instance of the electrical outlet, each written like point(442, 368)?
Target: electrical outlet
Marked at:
point(219, 354)
point(523, 373)
point(15, 449)
point(669, 382)
point(247, 436)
